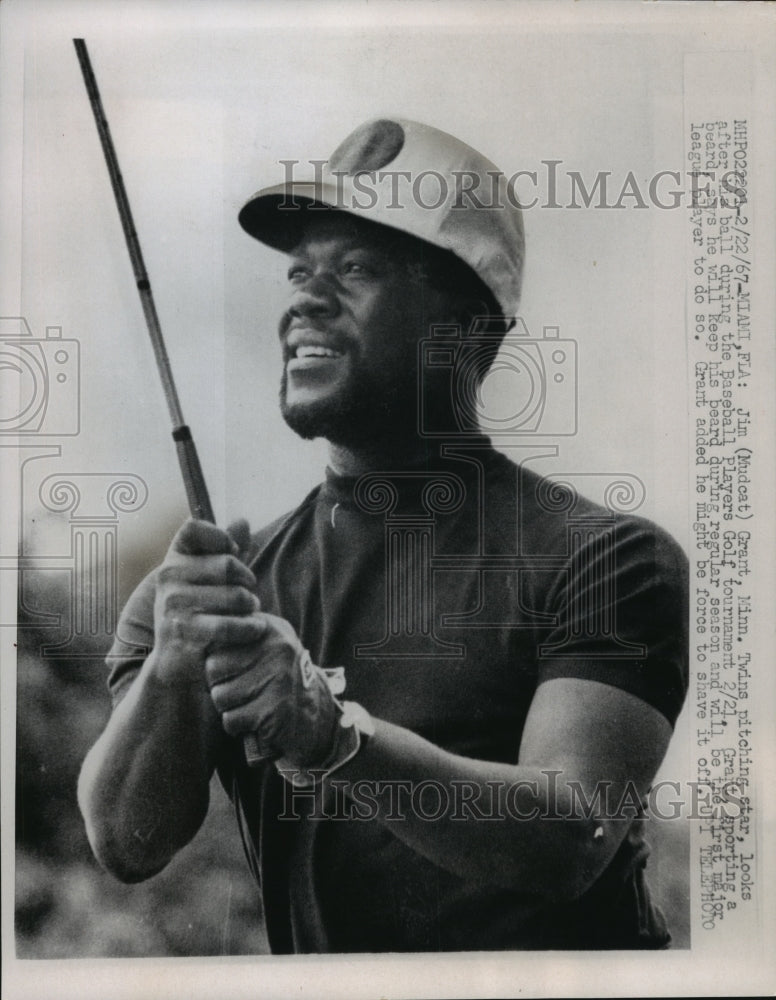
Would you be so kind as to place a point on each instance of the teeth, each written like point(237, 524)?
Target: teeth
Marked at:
point(314, 351)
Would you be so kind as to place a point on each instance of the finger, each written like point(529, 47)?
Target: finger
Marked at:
point(237, 690)
point(247, 718)
point(215, 632)
point(215, 570)
point(224, 664)
point(196, 538)
point(186, 599)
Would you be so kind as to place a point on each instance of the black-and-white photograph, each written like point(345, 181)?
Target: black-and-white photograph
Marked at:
point(387, 549)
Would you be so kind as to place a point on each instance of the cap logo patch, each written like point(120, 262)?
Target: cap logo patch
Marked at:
point(371, 147)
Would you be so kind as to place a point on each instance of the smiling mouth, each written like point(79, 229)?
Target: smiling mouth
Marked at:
point(315, 351)
point(312, 358)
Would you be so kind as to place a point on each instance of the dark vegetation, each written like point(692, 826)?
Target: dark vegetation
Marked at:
point(204, 903)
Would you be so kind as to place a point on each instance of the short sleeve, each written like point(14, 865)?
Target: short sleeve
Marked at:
point(134, 638)
point(621, 611)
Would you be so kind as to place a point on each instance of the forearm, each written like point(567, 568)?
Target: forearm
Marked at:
point(490, 820)
point(143, 789)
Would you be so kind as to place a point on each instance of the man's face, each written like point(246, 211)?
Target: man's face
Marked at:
point(358, 308)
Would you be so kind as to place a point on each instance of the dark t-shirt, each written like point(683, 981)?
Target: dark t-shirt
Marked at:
point(448, 593)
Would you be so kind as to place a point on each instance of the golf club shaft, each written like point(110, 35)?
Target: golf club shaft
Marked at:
point(191, 470)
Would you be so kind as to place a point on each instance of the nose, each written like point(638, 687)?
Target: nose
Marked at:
point(316, 297)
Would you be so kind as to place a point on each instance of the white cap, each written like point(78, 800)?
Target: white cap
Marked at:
point(416, 179)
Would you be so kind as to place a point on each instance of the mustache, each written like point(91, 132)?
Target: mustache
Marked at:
point(333, 338)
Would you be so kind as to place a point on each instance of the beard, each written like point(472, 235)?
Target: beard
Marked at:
point(368, 409)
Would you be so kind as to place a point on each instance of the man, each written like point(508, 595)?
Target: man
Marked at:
point(510, 658)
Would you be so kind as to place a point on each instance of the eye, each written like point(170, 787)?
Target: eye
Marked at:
point(357, 269)
point(297, 273)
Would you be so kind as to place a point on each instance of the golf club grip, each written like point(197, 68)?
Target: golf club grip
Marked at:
point(201, 508)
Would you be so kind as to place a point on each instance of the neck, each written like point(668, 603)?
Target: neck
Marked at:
point(355, 461)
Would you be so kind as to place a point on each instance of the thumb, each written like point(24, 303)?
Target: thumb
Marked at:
point(199, 538)
point(240, 533)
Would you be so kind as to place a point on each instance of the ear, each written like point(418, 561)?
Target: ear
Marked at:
point(468, 312)
point(442, 308)
point(474, 308)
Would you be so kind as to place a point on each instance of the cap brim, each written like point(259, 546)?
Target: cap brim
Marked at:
point(276, 215)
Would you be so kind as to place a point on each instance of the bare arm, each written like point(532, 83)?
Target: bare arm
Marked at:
point(143, 789)
point(580, 737)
